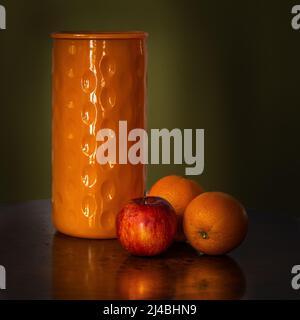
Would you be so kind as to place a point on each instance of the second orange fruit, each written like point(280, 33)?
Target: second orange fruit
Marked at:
point(215, 223)
point(179, 192)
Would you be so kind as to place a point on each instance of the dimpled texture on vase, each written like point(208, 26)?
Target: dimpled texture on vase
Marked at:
point(98, 80)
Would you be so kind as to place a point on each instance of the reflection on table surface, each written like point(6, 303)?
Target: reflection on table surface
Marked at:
point(101, 269)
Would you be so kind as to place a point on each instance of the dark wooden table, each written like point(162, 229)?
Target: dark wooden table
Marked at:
point(42, 264)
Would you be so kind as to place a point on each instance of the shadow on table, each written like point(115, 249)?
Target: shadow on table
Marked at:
point(101, 269)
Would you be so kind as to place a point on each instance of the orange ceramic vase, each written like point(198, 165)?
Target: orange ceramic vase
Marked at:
point(98, 79)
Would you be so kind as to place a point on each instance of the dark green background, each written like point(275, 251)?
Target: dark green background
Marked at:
point(230, 67)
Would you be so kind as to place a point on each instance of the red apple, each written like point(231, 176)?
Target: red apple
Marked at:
point(146, 226)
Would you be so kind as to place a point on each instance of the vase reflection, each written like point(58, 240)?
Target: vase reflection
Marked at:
point(84, 269)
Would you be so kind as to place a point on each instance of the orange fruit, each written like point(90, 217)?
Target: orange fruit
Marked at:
point(215, 223)
point(179, 192)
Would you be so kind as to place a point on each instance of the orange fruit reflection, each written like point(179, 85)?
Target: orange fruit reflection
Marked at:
point(211, 278)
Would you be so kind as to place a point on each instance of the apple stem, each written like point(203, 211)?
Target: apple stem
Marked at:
point(203, 234)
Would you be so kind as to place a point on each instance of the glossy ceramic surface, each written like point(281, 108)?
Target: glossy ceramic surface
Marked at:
point(98, 79)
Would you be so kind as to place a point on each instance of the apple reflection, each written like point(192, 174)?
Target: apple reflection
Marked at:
point(145, 279)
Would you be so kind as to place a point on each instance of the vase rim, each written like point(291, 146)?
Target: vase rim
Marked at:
point(99, 35)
